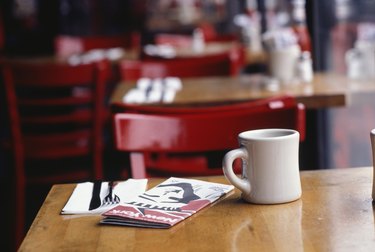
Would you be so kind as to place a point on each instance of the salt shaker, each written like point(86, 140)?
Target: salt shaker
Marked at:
point(304, 67)
point(354, 63)
point(198, 42)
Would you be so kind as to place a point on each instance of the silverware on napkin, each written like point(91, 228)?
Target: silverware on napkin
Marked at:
point(95, 197)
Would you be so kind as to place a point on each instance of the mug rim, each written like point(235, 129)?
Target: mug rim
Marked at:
point(268, 133)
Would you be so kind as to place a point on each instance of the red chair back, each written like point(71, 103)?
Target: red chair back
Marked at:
point(186, 40)
point(149, 133)
point(66, 45)
point(223, 64)
point(211, 35)
point(56, 117)
point(176, 40)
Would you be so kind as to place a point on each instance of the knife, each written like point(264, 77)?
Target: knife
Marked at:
point(95, 197)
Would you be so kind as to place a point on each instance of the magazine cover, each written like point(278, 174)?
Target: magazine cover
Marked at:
point(166, 204)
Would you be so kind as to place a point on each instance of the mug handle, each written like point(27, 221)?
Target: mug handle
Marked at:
point(242, 184)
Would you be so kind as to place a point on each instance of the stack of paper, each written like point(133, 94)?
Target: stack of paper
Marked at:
point(166, 204)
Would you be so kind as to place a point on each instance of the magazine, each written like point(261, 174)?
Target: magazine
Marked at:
point(166, 204)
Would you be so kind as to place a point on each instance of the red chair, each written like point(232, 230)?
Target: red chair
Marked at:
point(170, 142)
point(186, 40)
point(211, 35)
point(181, 40)
point(175, 40)
point(223, 64)
point(66, 45)
point(56, 118)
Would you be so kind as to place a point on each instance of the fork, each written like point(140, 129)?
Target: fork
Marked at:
point(111, 198)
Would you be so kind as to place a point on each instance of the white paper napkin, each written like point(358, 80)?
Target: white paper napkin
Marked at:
point(165, 51)
point(79, 201)
point(173, 83)
point(138, 94)
point(112, 54)
point(134, 95)
point(154, 90)
point(144, 83)
point(172, 86)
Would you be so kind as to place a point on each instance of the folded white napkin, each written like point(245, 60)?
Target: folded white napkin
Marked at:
point(79, 201)
point(165, 51)
point(134, 95)
point(173, 83)
point(112, 54)
point(172, 86)
point(154, 90)
point(144, 83)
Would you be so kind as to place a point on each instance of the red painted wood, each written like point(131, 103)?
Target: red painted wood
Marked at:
point(183, 134)
point(222, 64)
point(56, 115)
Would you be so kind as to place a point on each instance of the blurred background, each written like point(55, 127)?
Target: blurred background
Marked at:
point(329, 28)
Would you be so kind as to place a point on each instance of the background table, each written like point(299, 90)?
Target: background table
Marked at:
point(326, 90)
point(335, 213)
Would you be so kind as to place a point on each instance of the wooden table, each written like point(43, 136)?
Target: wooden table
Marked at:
point(129, 54)
point(326, 90)
point(335, 213)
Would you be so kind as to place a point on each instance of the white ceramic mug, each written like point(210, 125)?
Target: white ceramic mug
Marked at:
point(372, 137)
point(283, 63)
point(270, 166)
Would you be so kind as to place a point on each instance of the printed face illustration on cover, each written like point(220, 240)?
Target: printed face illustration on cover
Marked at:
point(171, 193)
point(166, 204)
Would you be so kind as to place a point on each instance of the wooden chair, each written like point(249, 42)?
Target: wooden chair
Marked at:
point(56, 116)
point(223, 64)
point(66, 45)
point(192, 141)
